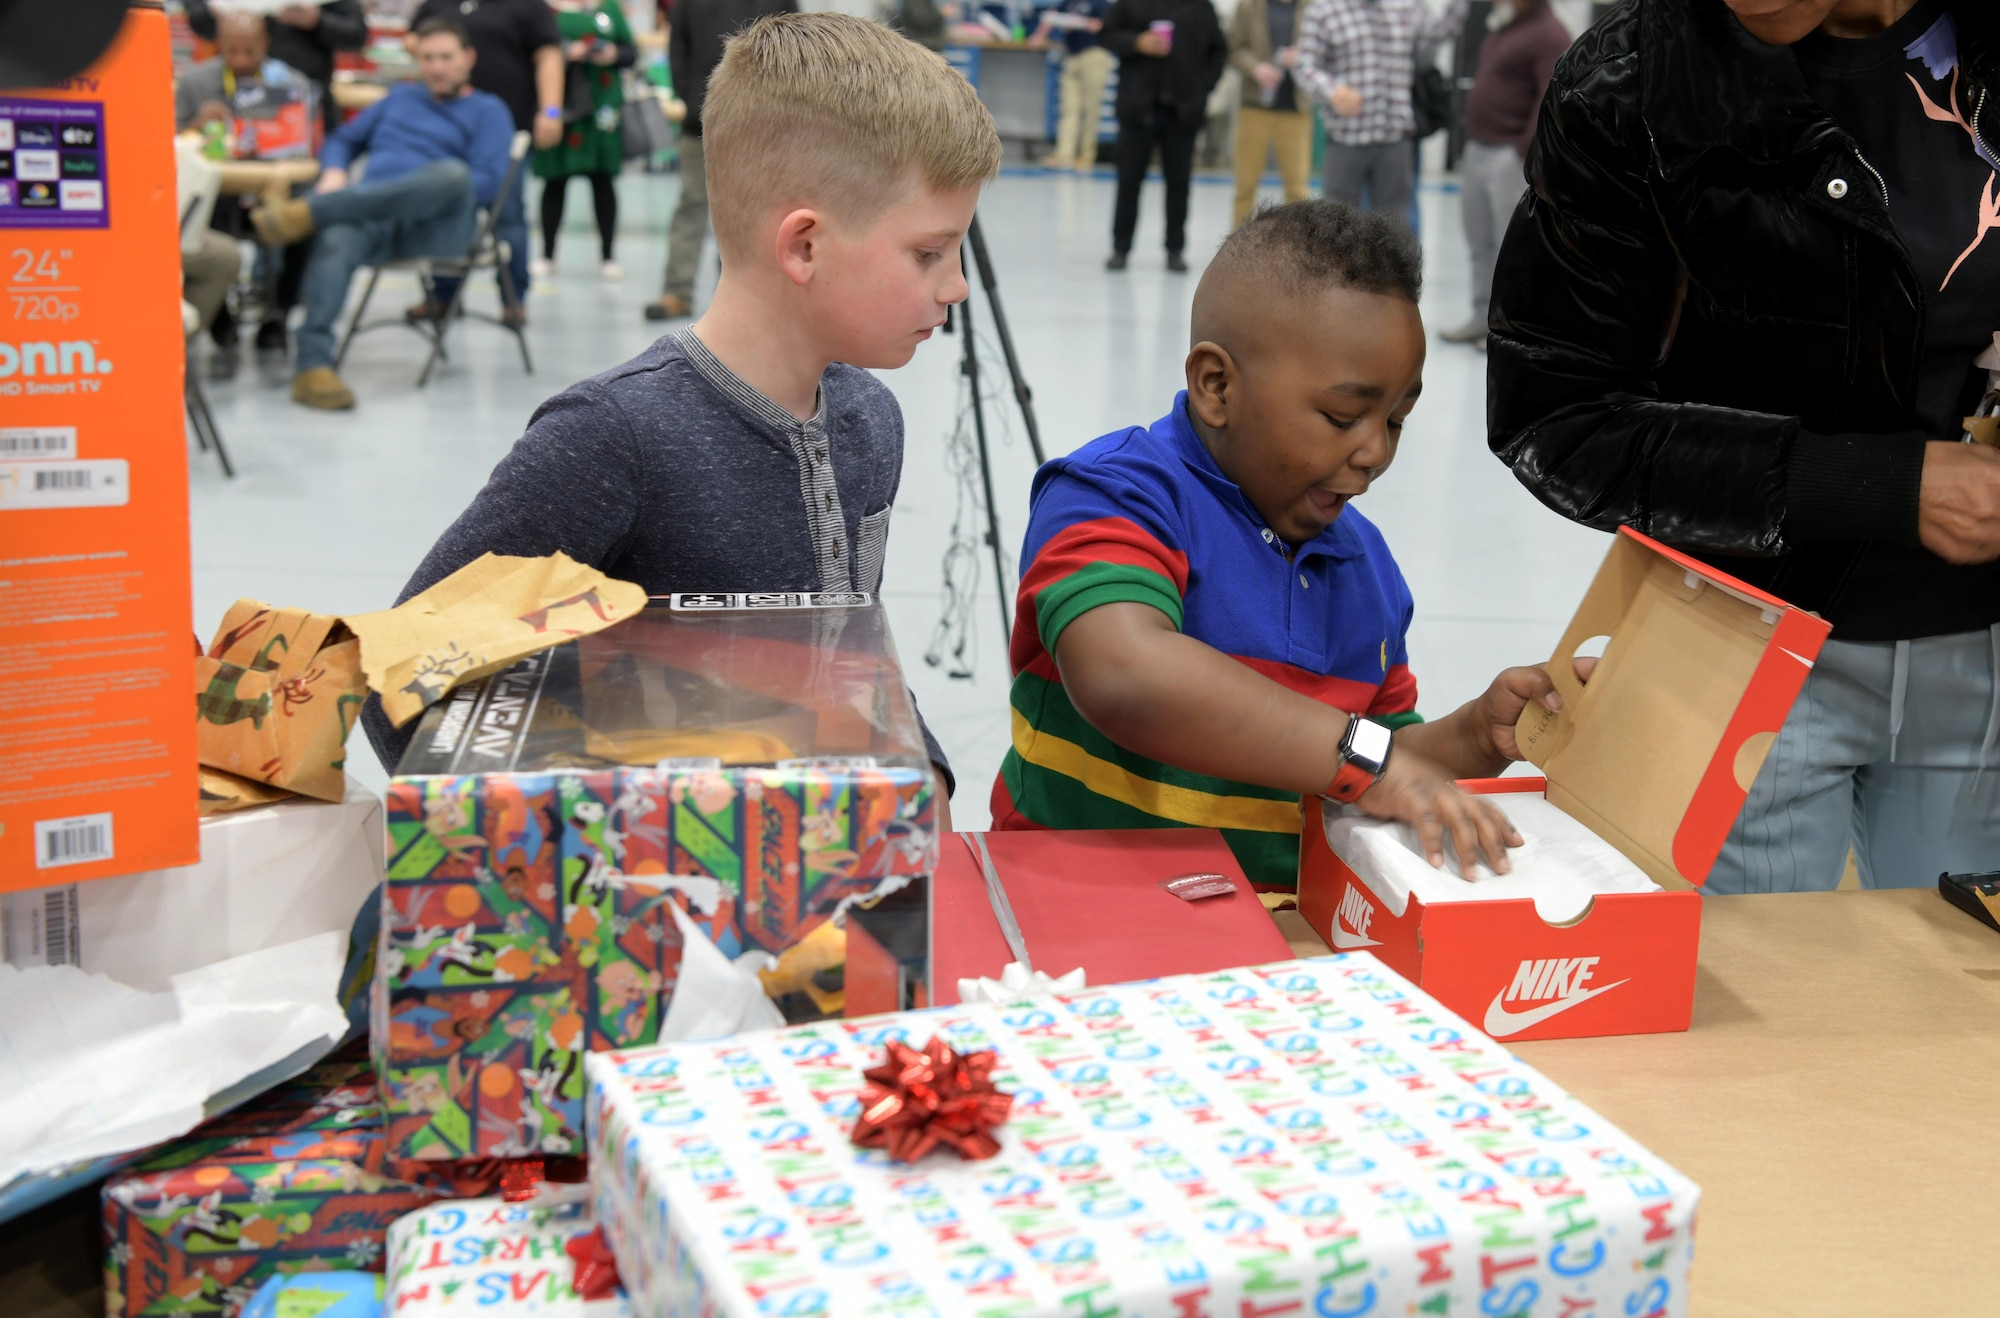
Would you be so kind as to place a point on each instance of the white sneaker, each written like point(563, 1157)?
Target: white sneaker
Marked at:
point(611, 272)
point(541, 268)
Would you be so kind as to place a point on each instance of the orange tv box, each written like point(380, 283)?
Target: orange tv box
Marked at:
point(1655, 755)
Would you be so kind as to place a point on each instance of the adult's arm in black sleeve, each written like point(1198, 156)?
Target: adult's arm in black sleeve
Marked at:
point(1586, 298)
point(1122, 26)
point(564, 486)
point(680, 58)
point(1215, 57)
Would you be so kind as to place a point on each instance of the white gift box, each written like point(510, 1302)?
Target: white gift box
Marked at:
point(1315, 1137)
point(266, 877)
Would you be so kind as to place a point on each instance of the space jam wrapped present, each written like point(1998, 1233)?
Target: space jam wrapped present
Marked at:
point(297, 1181)
point(1314, 1137)
point(753, 760)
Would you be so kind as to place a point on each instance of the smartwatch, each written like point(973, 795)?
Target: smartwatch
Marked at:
point(1364, 758)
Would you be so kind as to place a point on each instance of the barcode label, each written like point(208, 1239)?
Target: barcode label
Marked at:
point(59, 926)
point(37, 441)
point(72, 841)
point(41, 928)
point(83, 483)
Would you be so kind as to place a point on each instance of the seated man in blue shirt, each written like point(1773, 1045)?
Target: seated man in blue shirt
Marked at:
point(435, 153)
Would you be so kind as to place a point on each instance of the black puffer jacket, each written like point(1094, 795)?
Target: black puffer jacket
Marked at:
point(1704, 323)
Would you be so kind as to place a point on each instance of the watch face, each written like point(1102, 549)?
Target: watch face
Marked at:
point(1369, 744)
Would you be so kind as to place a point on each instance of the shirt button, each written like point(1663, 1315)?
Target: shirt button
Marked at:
point(836, 548)
point(1303, 582)
point(1268, 536)
point(1837, 188)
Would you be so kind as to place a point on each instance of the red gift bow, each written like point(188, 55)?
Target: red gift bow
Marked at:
point(915, 1101)
point(596, 1269)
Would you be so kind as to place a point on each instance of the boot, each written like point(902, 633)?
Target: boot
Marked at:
point(320, 388)
point(282, 221)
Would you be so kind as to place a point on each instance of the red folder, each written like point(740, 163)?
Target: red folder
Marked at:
point(1093, 899)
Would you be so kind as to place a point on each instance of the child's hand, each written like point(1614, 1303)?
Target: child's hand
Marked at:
point(1420, 793)
point(1500, 708)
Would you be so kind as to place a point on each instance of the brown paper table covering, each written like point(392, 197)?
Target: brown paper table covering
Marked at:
point(1832, 1100)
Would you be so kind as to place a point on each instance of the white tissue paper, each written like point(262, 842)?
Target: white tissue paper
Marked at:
point(90, 1068)
point(1017, 982)
point(715, 997)
point(1562, 865)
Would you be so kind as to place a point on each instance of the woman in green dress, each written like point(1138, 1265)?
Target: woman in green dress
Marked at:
point(597, 43)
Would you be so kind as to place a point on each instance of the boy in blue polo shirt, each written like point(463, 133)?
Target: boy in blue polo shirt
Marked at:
point(1206, 631)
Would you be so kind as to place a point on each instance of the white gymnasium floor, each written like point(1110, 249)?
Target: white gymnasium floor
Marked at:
point(332, 511)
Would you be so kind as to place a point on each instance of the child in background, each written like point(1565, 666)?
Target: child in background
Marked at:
point(1206, 631)
point(750, 451)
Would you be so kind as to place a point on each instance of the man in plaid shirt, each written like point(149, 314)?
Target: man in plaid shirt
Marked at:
point(1358, 58)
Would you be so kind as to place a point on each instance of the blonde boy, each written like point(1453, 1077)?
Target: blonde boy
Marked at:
point(750, 452)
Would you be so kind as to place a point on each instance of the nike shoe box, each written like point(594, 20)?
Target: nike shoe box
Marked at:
point(1655, 756)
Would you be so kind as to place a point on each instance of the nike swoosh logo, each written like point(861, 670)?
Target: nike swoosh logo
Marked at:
point(1796, 655)
point(1500, 1022)
point(1348, 941)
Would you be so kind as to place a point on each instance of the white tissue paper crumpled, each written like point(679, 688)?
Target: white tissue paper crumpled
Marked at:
point(1017, 982)
point(715, 997)
point(1562, 865)
point(90, 1067)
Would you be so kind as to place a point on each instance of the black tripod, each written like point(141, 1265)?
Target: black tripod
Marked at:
point(969, 366)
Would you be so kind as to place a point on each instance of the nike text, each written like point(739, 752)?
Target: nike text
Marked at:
point(1563, 977)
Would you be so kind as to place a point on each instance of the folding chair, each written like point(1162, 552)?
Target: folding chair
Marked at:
point(487, 252)
point(200, 419)
point(197, 183)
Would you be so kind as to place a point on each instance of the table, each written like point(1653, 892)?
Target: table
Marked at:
point(1830, 1100)
point(250, 178)
point(1013, 79)
point(351, 93)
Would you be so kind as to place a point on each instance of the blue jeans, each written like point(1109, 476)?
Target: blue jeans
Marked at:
point(1893, 749)
point(510, 227)
point(427, 212)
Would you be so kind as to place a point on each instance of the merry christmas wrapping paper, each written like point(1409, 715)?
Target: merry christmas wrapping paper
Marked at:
point(1313, 1137)
point(490, 1257)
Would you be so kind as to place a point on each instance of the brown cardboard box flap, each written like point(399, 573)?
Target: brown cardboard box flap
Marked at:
point(1658, 751)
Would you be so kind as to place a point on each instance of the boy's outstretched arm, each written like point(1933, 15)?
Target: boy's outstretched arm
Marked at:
point(1130, 672)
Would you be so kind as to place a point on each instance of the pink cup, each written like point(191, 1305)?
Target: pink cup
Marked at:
point(1164, 30)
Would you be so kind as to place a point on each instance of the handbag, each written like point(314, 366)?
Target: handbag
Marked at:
point(1430, 99)
point(578, 101)
point(642, 123)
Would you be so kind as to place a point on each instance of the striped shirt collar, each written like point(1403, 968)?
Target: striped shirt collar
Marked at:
point(736, 387)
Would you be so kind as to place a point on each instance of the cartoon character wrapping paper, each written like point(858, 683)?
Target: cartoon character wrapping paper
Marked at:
point(1314, 1137)
point(525, 921)
point(298, 1182)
